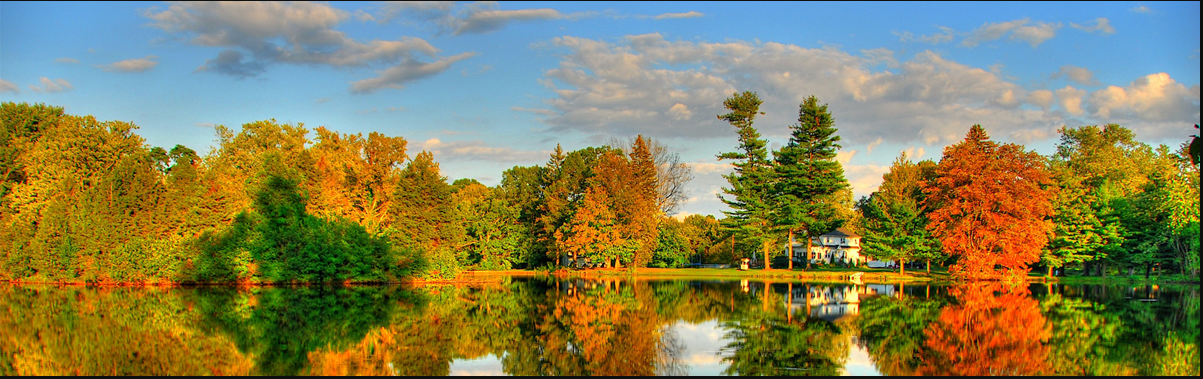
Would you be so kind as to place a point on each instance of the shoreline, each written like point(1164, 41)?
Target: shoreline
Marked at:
point(819, 275)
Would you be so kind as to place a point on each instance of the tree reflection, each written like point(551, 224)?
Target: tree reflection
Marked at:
point(546, 326)
point(892, 330)
point(279, 326)
point(764, 341)
point(123, 331)
point(992, 329)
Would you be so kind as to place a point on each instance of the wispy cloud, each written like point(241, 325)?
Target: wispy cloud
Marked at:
point(1141, 9)
point(946, 34)
point(132, 65)
point(67, 60)
point(260, 34)
point(690, 14)
point(1023, 29)
point(7, 86)
point(462, 18)
point(52, 86)
point(480, 151)
point(408, 71)
point(1081, 75)
point(1101, 25)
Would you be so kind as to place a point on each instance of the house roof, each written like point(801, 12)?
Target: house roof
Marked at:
point(841, 232)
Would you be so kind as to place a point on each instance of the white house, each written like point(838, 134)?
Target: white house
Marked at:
point(840, 245)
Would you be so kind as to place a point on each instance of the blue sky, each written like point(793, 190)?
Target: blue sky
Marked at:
point(487, 86)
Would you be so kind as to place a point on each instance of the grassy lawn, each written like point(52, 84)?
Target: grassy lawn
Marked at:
point(815, 274)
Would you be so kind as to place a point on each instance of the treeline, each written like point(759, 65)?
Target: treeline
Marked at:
point(83, 200)
point(991, 209)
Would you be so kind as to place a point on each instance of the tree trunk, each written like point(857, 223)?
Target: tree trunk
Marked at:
point(789, 309)
point(808, 251)
point(764, 303)
point(929, 267)
point(1103, 269)
point(901, 266)
point(1050, 271)
point(790, 242)
point(1148, 267)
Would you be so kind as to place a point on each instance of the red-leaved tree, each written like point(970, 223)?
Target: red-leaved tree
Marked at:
point(991, 203)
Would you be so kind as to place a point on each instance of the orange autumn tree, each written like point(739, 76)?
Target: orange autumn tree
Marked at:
point(993, 329)
point(593, 231)
point(991, 203)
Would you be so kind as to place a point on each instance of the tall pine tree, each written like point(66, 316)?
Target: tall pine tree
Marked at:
point(807, 172)
point(751, 182)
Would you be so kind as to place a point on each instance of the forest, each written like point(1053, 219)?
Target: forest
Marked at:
point(88, 201)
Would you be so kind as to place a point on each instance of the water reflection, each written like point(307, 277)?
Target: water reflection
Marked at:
point(603, 327)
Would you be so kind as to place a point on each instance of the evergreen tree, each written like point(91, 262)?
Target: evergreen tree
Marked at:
point(751, 181)
point(423, 210)
point(807, 174)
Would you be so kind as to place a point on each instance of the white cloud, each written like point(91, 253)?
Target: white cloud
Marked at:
point(1141, 9)
point(52, 86)
point(1042, 98)
point(704, 168)
point(1101, 24)
point(7, 86)
point(479, 151)
point(260, 34)
point(487, 21)
point(464, 18)
point(864, 179)
point(1156, 102)
point(408, 71)
point(844, 156)
point(1080, 75)
point(915, 153)
point(629, 88)
point(690, 14)
point(1034, 34)
point(872, 145)
point(680, 112)
point(132, 65)
point(67, 60)
point(1071, 100)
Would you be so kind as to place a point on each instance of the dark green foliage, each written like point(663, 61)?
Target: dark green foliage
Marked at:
point(673, 249)
point(752, 180)
point(808, 173)
point(279, 242)
point(278, 326)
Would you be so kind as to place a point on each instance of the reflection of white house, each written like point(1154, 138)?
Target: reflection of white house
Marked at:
point(833, 302)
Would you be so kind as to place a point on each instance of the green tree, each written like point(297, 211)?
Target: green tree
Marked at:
point(896, 215)
point(808, 173)
point(751, 181)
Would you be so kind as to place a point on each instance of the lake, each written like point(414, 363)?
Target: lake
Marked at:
point(549, 326)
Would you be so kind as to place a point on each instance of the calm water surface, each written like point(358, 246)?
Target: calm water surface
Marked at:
point(545, 326)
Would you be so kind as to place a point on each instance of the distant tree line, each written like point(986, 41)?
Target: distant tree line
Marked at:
point(88, 201)
point(991, 209)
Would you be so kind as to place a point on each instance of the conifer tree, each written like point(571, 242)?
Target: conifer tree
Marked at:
point(807, 173)
point(751, 181)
